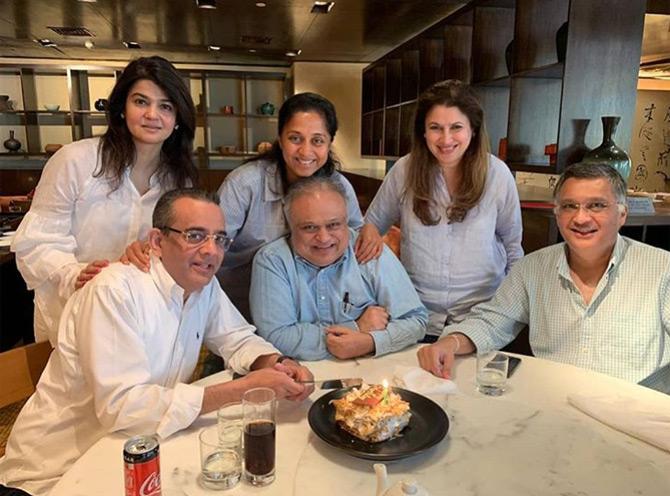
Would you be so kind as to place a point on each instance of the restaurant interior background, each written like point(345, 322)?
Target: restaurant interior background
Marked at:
point(241, 58)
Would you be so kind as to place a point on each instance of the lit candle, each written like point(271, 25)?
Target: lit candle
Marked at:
point(385, 394)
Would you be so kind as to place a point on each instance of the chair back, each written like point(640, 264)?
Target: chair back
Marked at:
point(21, 369)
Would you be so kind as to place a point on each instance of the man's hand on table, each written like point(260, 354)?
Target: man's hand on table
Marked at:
point(438, 358)
point(280, 381)
point(298, 373)
point(344, 343)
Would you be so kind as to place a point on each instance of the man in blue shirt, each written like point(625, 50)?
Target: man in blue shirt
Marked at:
point(310, 297)
point(598, 301)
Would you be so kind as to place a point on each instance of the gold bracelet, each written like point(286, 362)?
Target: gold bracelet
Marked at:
point(458, 343)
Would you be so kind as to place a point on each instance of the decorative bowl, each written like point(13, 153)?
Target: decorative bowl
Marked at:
point(51, 107)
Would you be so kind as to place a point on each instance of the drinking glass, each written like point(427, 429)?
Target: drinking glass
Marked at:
point(491, 375)
point(259, 406)
point(220, 461)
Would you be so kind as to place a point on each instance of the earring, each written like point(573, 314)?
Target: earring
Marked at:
point(122, 116)
point(176, 127)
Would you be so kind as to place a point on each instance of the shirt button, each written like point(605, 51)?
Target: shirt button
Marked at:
point(323, 298)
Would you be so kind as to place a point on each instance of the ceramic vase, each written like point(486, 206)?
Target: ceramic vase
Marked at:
point(12, 144)
point(608, 152)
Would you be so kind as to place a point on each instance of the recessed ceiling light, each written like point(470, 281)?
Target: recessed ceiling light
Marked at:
point(322, 7)
point(45, 42)
point(293, 53)
point(213, 48)
point(261, 4)
point(132, 45)
point(88, 1)
point(206, 4)
point(252, 50)
point(89, 44)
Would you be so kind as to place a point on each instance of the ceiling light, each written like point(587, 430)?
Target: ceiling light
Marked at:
point(293, 53)
point(132, 45)
point(213, 48)
point(322, 7)
point(261, 4)
point(89, 44)
point(252, 50)
point(88, 1)
point(206, 4)
point(45, 42)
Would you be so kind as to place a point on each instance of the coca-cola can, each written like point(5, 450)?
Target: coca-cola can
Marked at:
point(141, 463)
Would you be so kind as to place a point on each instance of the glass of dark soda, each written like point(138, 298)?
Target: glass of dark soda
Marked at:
point(259, 407)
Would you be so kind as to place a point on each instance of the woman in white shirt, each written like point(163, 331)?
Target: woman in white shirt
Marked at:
point(457, 206)
point(97, 195)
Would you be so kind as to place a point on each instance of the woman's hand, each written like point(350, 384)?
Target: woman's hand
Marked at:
point(89, 272)
point(137, 253)
point(369, 244)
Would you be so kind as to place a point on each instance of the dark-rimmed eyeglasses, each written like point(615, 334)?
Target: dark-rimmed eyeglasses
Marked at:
point(196, 237)
point(592, 207)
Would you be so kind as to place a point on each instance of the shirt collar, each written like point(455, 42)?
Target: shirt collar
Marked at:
point(615, 259)
point(273, 188)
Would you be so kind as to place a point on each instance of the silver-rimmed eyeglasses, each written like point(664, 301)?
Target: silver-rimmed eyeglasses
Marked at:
point(592, 207)
point(196, 237)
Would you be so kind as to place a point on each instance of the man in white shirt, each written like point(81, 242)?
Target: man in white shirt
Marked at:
point(598, 301)
point(129, 340)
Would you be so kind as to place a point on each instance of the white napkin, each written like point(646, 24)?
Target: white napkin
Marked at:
point(421, 381)
point(645, 420)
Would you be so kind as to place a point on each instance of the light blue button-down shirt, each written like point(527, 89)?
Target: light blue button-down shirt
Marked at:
point(624, 331)
point(293, 301)
point(453, 266)
point(252, 200)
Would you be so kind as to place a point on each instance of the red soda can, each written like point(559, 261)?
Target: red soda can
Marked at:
point(141, 463)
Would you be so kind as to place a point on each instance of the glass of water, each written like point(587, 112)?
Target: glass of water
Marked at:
point(491, 377)
point(220, 461)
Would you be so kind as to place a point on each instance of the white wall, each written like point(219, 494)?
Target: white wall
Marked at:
point(341, 84)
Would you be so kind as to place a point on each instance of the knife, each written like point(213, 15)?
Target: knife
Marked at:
point(335, 383)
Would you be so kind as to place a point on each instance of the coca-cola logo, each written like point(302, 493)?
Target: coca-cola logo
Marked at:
point(151, 485)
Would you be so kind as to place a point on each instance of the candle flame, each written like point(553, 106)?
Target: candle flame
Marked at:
point(385, 383)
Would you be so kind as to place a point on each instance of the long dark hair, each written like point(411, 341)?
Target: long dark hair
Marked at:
point(117, 149)
point(303, 102)
point(424, 170)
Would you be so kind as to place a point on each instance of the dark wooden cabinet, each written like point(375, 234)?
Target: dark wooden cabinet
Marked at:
point(545, 72)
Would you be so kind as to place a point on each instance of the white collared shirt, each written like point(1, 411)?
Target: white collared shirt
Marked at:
point(76, 218)
point(127, 342)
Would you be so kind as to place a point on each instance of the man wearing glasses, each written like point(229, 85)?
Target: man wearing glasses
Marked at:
point(598, 301)
point(128, 343)
point(312, 299)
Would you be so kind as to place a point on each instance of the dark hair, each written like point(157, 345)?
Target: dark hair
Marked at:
point(594, 170)
point(117, 149)
point(303, 102)
point(311, 184)
point(424, 170)
point(163, 215)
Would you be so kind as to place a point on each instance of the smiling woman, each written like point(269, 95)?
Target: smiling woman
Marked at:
point(97, 194)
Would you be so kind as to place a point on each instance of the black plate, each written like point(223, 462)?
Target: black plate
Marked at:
point(427, 427)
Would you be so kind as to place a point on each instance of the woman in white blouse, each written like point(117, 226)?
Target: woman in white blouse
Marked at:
point(457, 206)
point(97, 195)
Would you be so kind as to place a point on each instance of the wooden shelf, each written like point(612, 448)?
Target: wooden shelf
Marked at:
point(562, 73)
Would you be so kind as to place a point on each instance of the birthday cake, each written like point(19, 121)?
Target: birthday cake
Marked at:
point(373, 413)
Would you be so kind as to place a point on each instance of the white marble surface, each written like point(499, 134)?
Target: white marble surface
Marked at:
point(530, 441)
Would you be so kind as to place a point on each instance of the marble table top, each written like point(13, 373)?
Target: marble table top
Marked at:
point(529, 441)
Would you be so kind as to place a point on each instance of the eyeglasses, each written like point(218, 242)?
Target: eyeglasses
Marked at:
point(592, 207)
point(196, 237)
